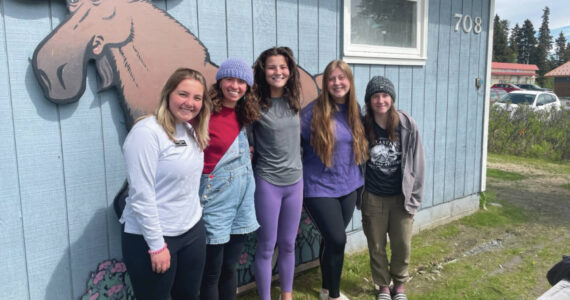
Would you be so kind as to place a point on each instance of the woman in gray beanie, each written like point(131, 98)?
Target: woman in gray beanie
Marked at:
point(227, 185)
point(393, 186)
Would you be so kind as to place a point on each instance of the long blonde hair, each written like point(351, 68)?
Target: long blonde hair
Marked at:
point(322, 129)
point(200, 122)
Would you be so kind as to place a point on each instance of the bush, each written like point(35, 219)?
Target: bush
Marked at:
point(528, 133)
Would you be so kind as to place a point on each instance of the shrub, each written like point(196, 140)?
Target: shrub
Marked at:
point(525, 132)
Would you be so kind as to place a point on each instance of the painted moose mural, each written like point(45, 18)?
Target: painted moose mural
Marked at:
point(135, 47)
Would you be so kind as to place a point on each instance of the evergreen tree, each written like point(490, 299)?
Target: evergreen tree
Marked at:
point(514, 42)
point(560, 55)
point(567, 55)
point(526, 43)
point(540, 55)
point(501, 50)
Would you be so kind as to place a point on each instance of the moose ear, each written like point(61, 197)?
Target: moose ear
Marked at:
point(105, 72)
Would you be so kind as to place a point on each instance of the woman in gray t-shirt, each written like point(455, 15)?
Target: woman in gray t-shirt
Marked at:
point(277, 167)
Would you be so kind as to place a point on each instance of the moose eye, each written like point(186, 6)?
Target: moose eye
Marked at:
point(72, 1)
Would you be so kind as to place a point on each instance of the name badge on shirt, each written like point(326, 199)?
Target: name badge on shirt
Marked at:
point(180, 143)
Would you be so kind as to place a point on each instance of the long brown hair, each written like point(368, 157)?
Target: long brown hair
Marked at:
point(292, 89)
point(200, 122)
point(391, 125)
point(322, 129)
point(247, 108)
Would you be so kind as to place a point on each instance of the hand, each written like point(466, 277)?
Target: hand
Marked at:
point(250, 152)
point(161, 261)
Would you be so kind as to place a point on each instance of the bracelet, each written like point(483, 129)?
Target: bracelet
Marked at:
point(157, 251)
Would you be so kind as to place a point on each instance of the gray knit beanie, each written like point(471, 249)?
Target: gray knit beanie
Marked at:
point(379, 84)
point(237, 68)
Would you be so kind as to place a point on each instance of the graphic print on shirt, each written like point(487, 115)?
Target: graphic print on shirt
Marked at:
point(384, 156)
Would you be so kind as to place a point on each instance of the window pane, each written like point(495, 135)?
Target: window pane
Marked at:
point(383, 23)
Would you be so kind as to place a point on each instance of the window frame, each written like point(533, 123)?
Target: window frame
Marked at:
point(385, 55)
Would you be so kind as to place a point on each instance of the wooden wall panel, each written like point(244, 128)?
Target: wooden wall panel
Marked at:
point(484, 13)
point(264, 26)
point(472, 110)
point(288, 25)
point(309, 36)
point(185, 12)
point(453, 100)
point(239, 28)
point(328, 34)
point(441, 100)
point(430, 101)
point(404, 91)
point(417, 103)
point(463, 98)
point(212, 28)
point(39, 155)
point(12, 234)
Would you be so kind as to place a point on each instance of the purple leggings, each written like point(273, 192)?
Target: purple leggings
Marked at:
point(278, 210)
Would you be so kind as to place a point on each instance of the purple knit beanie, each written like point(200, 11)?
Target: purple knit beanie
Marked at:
point(237, 68)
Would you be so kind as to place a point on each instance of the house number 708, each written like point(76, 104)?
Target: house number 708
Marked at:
point(467, 23)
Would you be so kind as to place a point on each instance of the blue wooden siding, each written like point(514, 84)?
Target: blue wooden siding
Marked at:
point(62, 164)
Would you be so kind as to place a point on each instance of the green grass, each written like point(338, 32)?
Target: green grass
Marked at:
point(566, 186)
point(504, 175)
point(557, 167)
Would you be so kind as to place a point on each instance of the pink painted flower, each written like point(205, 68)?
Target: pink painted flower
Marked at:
point(119, 267)
point(99, 277)
point(243, 258)
point(114, 289)
point(94, 296)
point(104, 265)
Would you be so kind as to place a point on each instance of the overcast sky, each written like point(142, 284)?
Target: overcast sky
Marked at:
point(516, 11)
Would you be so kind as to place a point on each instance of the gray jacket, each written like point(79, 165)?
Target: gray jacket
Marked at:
point(413, 163)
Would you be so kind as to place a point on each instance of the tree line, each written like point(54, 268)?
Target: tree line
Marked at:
point(523, 46)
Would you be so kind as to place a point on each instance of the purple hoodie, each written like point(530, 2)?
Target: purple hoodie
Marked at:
point(344, 176)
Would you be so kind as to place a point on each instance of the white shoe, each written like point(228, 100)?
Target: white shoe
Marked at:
point(325, 296)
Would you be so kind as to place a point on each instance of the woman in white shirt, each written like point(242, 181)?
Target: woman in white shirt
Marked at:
point(164, 237)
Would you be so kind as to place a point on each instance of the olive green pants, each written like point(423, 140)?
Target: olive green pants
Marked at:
point(381, 216)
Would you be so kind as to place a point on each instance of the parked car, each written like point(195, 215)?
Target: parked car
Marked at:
point(537, 100)
point(496, 95)
point(532, 87)
point(507, 87)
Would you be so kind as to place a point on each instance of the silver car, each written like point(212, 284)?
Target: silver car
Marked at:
point(537, 100)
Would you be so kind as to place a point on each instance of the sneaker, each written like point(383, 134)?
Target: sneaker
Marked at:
point(343, 296)
point(323, 295)
point(400, 296)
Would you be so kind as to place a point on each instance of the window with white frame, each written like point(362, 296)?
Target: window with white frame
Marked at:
point(390, 32)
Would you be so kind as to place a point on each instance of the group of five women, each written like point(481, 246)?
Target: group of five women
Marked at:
point(213, 165)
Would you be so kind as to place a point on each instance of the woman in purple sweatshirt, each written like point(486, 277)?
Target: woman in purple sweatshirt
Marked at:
point(334, 145)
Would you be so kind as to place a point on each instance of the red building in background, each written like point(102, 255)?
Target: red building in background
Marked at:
point(512, 73)
point(561, 79)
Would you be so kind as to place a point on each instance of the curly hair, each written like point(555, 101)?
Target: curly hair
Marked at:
point(247, 108)
point(292, 90)
point(322, 132)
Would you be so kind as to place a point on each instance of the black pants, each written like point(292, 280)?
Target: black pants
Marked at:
point(331, 216)
point(182, 280)
point(220, 273)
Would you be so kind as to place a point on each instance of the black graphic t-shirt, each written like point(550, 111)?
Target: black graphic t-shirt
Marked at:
point(383, 169)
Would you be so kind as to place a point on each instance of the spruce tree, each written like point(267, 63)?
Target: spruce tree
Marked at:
point(501, 50)
point(540, 55)
point(513, 43)
point(560, 54)
point(526, 43)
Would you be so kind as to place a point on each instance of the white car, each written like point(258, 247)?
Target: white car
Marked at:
point(537, 100)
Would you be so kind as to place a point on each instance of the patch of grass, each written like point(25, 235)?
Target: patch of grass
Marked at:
point(503, 175)
point(566, 186)
point(506, 216)
point(558, 167)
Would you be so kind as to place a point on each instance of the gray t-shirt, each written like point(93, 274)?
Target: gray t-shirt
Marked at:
point(276, 138)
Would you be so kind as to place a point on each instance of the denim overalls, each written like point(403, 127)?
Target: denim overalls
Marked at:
point(226, 194)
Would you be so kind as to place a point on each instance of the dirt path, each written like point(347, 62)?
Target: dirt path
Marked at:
point(508, 255)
